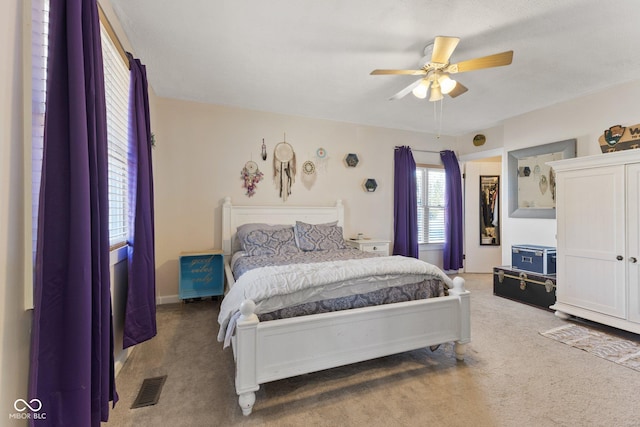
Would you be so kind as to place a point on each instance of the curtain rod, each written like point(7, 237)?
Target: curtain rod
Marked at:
point(423, 151)
point(113, 35)
point(426, 151)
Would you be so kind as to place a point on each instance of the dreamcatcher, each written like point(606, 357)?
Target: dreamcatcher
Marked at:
point(308, 174)
point(321, 159)
point(251, 176)
point(284, 168)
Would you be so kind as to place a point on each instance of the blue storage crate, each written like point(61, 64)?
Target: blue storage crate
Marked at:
point(534, 258)
point(201, 274)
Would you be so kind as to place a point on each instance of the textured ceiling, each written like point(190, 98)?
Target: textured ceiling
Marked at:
point(313, 58)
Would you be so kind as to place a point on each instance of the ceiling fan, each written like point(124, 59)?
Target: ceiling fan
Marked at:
point(437, 69)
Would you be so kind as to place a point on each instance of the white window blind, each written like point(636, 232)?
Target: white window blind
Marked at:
point(39, 53)
point(116, 76)
point(430, 187)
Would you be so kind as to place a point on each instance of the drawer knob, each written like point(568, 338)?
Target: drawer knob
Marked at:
point(633, 260)
point(619, 257)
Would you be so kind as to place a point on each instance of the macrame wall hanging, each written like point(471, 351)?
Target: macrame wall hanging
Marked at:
point(284, 168)
point(308, 175)
point(251, 175)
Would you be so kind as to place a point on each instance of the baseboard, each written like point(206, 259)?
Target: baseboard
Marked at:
point(167, 299)
point(121, 358)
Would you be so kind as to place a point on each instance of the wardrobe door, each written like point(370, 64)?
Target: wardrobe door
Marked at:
point(591, 239)
point(633, 240)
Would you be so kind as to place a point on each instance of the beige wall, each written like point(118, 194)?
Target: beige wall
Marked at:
point(201, 150)
point(15, 322)
point(584, 118)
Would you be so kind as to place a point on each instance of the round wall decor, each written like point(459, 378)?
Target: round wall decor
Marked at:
point(308, 167)
point(479, 140)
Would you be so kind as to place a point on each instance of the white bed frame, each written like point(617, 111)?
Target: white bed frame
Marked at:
point(277, 349)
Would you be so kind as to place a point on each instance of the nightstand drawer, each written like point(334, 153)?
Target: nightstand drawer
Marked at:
point(370, 245)
point(377, 247)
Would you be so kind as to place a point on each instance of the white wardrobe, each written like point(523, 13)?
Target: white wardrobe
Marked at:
point(598, 238)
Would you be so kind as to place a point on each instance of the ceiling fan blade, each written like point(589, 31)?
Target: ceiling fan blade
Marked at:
point(406, 90)
point(458, 90)
point(409, 72)
point(443, 47)
point(496, 60)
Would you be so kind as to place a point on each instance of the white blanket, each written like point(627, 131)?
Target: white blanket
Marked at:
point(276, 287)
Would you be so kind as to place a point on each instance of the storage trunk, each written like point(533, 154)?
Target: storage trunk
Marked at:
point(530, 288)
point(534, 258)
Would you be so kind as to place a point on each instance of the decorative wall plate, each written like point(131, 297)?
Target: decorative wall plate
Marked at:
point(321, 153)
point(352, 160)
point(479, 140)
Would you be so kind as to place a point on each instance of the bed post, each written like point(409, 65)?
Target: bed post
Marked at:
point(246, 379)
point(465, 316)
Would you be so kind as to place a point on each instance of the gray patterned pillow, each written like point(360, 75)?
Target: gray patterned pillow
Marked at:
point(273, 240)
point(319, 237)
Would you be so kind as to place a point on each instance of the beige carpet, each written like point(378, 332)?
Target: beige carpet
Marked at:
point(625, 352)
point(511, 376)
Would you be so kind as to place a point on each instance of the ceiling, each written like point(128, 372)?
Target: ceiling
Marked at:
point(313, 58)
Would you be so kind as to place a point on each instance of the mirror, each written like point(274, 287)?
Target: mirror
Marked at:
point(532, 189)
point(489, 219)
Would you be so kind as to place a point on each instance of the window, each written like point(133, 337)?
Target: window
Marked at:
point(430, 185)
point(116, 82)
point(117, 98)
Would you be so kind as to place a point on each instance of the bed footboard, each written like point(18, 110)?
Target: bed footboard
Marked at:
point(268, 351)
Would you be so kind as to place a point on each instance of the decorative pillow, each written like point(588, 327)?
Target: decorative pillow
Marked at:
point(319, 237)
point(268, 240)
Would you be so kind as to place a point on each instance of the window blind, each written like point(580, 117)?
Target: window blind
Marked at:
point(116, 75)
point(430, 183)
point(39, 53)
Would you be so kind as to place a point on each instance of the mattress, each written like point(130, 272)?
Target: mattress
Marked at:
point(322, 281)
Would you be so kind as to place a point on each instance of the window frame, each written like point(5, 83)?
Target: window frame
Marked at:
point(423, 238)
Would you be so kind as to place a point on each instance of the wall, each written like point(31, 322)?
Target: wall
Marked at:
point(201, 150)
point(15, 322)
point(584, 118)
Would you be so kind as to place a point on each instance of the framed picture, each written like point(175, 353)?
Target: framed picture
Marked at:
point(532, 189)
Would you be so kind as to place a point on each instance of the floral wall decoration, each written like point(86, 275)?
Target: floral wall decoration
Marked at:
point(251, 175)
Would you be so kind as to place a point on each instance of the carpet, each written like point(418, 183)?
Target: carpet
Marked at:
point(607, 346)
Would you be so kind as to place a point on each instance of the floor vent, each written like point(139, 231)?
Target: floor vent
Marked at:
point(149, 393)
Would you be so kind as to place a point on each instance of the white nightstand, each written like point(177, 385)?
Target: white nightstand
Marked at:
point(370, 245)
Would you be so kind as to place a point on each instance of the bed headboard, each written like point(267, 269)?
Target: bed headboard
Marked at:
point(234, 216)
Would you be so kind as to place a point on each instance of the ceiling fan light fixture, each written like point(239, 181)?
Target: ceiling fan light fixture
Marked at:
point(447, 84)
point(420, 91)
point(436, 92)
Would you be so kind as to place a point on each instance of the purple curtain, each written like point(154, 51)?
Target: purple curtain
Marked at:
point(452, 212)
point(71, 370)
point(140, 313)
point(405, 204)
